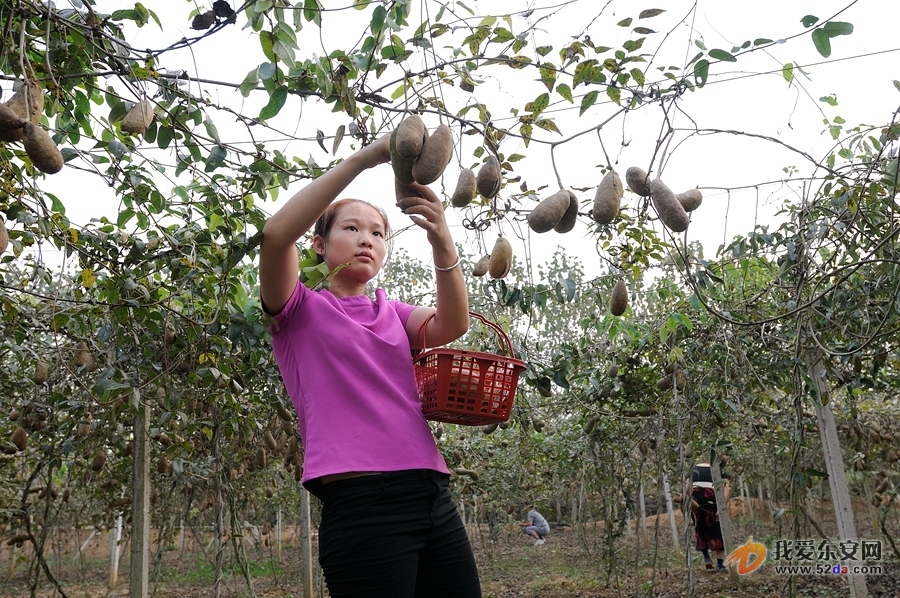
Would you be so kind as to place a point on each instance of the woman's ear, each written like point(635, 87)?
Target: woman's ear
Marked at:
point(319, 245)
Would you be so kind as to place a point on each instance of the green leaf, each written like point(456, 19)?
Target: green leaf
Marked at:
point(379, 15)
point(216, 158)
point(501, 36)
point(548, 75)
point(124, 216)
point(615, 94)
point(164, 137)
point(809, 20)
point(633, 45)
point(701, 72)
point(56, 205)
point(338, 136)
point(722, 55)
point(566, 92)
point(835, 28)
point(182, 193)
point(267, 70)
point(276, 102)
point(540, 103)
point(761, 41)
point(312, 11)
point(588, 71)
point(587, 101)
point(638, 76)
point(650, 12)
point(250, 82)
point(625, 22)
point(212, 131)
point(548, 125)
point(822, 41)
point(267, 42)
point(787, 71)
point(831, 100)
point(896, 85)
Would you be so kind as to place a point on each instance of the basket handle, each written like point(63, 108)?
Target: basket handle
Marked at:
point(505, 343)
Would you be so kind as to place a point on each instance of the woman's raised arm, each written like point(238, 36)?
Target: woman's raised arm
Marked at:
point(278, 259)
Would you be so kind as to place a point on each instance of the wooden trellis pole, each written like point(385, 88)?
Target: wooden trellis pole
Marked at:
point(140, 512)
point(676, 543)
point(306, 566)
point(834, 464)
point(722, 510)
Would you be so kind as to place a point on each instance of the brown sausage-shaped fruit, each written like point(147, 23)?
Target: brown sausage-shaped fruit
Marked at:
point(41, 371)
point(411, 135)
point(549, 212)
point(402, 190)
point(466, 189)
point(482, 266)
point(488, 180)
point(20, 438)
point(668, 207)
point(567, 222)
point(690, 200)
point(99, 460)
point(638, 181)
point(28, 104)
point(4, 238)
point(402, 166)
point(40, 148)
point(138, 118)
point(618, 300)
point(608, 198)
point(501, 258)
point(10, 124)
point(435, 155)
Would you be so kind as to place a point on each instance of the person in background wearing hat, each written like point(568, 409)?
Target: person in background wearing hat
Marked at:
point(704, 512)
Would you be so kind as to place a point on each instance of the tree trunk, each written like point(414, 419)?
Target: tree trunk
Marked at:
point(747, 497)
point(873, 512)
point(834, 463)
point(306, 565)
point(180, 538)
point(139, 569)
point(643, 515)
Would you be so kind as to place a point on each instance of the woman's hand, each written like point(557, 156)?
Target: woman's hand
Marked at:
point(377, 152)
point(426, 211)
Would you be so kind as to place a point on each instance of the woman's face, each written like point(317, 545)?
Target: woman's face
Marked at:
point(357, 238)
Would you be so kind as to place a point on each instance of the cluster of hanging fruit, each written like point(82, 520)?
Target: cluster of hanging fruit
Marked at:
point(20, 120)
point(420, 157)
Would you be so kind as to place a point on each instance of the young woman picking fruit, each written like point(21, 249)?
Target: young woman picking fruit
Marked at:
point(389, 525)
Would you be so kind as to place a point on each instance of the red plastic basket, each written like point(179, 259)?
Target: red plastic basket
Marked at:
point(470, 388)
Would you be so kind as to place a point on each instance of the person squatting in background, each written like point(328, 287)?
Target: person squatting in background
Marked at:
point(535, 525)
point(389, 525)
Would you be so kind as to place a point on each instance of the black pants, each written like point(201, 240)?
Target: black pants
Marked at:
point(395, 535)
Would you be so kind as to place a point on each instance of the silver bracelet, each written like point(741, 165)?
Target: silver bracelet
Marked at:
point(439, 269)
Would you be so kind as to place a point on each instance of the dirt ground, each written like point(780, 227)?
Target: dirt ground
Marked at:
point(573, 563)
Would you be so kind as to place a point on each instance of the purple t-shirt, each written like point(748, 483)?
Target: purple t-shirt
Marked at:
point(347, 367)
